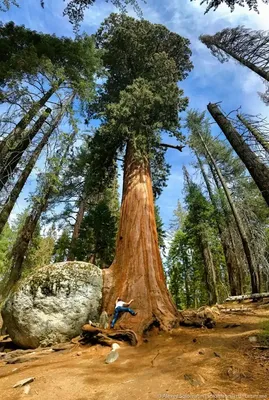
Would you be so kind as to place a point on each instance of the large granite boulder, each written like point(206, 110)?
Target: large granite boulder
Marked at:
point(53, 303)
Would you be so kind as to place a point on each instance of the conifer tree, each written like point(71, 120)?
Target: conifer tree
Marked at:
point(138, 101)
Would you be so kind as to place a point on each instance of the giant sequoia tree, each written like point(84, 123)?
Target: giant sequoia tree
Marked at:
point(138, 101)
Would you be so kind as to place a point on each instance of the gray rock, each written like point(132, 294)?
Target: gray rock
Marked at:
point(52, 304)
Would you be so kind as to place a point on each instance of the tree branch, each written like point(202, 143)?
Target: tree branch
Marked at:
point(171, 146)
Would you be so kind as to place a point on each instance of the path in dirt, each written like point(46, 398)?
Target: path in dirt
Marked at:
point(187, 363)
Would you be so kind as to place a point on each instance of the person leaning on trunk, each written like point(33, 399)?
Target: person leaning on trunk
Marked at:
point(121, 307)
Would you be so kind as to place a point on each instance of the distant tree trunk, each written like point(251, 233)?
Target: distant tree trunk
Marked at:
point(20, 247)
point(209, 267)
point(258, 136)
point(210, 273)
point(232, 270)
point(13, 157)
point(75, 235)
point(25, 235)
point(237, 274)
point(12, 198)
point(258, 170)
point(137, 271)
point(255, 284)
point(15, 135)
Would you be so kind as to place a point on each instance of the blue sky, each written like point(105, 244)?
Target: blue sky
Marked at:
point(210, 81)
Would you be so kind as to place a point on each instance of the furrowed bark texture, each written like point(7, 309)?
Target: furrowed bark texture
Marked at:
point(137, 271)
point(258, 170)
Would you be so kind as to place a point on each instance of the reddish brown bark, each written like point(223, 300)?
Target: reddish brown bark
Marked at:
point(137, 271)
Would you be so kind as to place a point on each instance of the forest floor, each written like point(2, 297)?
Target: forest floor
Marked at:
point(187, 363)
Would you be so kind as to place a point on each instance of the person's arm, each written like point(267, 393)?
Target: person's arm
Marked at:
point(130, 302)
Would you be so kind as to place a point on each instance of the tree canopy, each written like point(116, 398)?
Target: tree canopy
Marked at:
point(24, 51)
point(214, 4)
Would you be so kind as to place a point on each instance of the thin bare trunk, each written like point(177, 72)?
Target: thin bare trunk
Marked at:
point(258, 136)
point(21, 245)
point(7, 208)
point(24, 238)
point(16, 134)
point(258, 170)
point(137, 271)
point(13, 157)
point(225, 245)
point(75, 235)
point(210, 273)
point(209, 267)
point(255, 285)
point(261, 72)
point(237, 275)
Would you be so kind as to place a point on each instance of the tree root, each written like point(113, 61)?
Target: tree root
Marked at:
point(106, 337)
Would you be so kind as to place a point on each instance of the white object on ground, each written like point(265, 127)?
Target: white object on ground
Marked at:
point(24, 382)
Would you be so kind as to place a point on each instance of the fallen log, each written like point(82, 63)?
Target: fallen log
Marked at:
point(94, 335)
point(247, 296)
point(202, 318)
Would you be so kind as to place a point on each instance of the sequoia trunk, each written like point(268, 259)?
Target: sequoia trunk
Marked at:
point(137, 271)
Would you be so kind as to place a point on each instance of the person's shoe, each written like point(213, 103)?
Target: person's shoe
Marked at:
point(135, 314)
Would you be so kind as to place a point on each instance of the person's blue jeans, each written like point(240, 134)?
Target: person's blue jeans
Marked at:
point(117, 312)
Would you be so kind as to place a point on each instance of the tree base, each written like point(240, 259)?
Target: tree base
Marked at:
point(106, 337)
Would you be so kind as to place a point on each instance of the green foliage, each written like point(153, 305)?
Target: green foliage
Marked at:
point(264, 334)
point(7, 238)
point(185, 272)
point(245, 195)
point(98, 235)
point(24, 51)
point(214, 4)
point(62, 246)
point(140, 97)
point(39, 252)
point(185, 262)
point(75, 9)
point(160, 230)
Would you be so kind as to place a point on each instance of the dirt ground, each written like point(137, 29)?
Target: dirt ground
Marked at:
point(187, 363)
